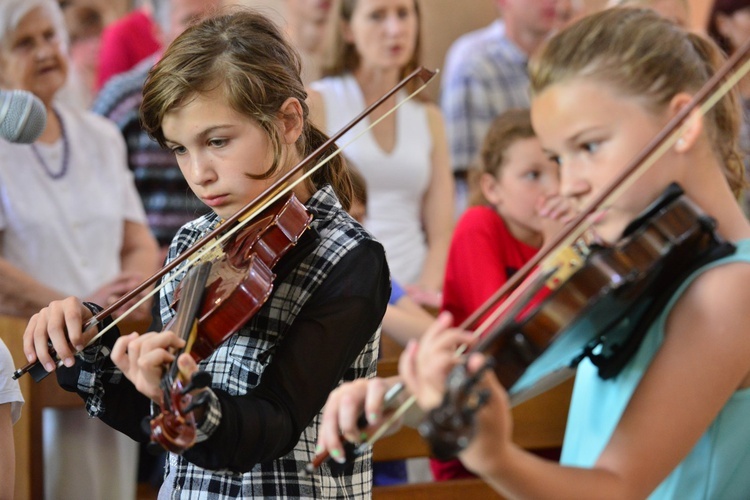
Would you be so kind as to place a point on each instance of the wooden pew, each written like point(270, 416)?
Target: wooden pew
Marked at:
point(539, 424)
point(27, 433)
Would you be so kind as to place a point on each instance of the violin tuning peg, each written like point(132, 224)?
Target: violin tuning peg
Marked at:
point(199, 380)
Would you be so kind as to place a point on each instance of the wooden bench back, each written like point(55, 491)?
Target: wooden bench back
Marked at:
point(539, 423)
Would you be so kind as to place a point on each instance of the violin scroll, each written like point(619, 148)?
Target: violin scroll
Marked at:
point(450, 427)
point(175, 427)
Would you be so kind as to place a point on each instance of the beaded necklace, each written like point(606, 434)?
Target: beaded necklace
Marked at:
point(66, 153)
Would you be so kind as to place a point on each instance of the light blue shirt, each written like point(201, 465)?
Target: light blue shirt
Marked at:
point(718, 467)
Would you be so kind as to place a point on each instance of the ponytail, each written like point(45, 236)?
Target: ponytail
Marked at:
point(334, 172)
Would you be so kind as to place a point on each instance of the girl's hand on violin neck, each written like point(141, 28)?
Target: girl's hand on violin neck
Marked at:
point(425, 365)
point(342, 412)
point(188, 367)
point(489, 448)
point(142, 359)
point(60, 323)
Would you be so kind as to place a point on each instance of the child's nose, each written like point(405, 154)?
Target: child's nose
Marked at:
point(569, 181)
point(201, 170)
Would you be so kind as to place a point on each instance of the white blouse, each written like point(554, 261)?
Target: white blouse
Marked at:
point(68, 232)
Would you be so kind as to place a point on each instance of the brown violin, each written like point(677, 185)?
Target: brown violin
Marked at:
point(214, 299)
point(241, 275)
point(537, 346)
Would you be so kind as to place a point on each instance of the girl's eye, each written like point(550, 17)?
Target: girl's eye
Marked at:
point(590, 147)
point(178, 150)
point(217, 143)
point(377, 15)
point(532, 175)
point(554, 159)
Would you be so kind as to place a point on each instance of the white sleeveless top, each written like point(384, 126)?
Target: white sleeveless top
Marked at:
point(396, 181)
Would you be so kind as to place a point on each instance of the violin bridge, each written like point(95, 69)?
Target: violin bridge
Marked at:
point(212, 252)
point(562, 265)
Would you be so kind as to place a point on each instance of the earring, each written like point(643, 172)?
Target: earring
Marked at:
point(680, 142)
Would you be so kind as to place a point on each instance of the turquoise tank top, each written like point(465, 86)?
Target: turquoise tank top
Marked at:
point(718, 467)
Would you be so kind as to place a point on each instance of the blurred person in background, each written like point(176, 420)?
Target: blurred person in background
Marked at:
point(485, 75)
point(84, 24)
point(11, 401)
point(404, 159)
point(729, 26)
point(307, 25)
point(166, 197)
point(71, 223)
point(127, 41)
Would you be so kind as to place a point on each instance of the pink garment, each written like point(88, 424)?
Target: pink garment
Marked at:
point(125, 43)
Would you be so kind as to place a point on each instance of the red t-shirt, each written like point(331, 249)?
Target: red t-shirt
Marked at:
point(482, 256)
point(125, 43)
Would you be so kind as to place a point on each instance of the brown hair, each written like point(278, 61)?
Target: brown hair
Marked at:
point(727, 8)
point(642, 54)
point(506, 129)
point(243, 54)
point(359, 184)
point(345, 58)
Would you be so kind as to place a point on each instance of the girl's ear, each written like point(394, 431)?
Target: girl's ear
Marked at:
point(488, 185)
point(290, 113)
point(692, 127)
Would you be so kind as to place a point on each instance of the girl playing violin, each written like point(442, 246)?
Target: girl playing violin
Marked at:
point(672, 423)
point(228, 100)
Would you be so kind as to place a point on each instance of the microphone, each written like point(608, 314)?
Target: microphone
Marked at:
point(22, 116)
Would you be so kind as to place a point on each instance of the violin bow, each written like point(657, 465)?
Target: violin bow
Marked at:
point(539, 268)
point(234, 223)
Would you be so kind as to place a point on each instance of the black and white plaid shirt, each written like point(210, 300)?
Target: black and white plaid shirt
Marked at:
point(270, 380)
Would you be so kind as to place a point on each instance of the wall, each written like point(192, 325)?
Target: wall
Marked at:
point(445, 20)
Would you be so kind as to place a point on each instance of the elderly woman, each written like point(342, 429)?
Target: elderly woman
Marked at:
point(71, 223)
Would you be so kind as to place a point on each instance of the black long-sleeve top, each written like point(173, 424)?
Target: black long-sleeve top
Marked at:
point(271, 379)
